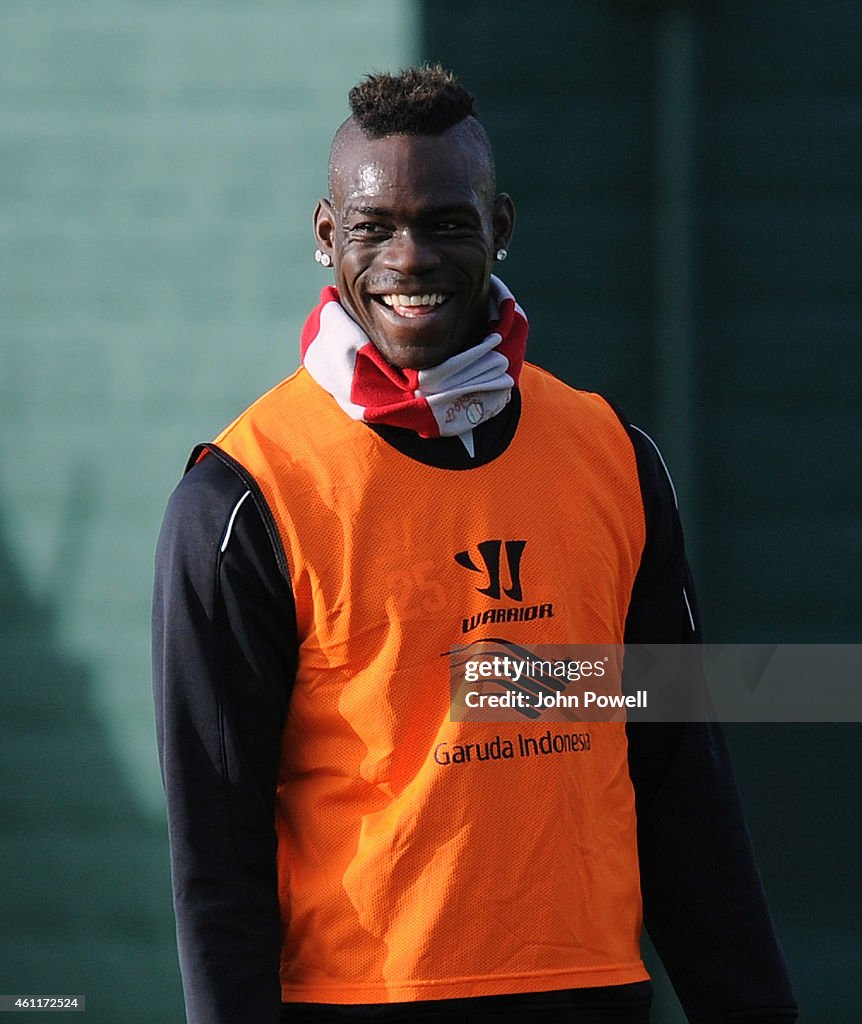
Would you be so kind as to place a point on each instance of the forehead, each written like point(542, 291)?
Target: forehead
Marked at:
point(415, 170)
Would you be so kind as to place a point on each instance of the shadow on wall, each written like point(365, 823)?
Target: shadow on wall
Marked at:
point(566, 92)
point(85, 897)
point(570, 95)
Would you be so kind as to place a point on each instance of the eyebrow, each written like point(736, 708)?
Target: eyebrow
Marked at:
point(369, 211)
point(383, 211)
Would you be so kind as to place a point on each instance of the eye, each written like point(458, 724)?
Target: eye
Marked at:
point(369, 229)
point(452, 227)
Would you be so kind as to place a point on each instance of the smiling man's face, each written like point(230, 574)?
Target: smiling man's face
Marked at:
point(412, 227)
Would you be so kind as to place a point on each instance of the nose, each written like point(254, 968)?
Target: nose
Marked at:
point(410, 252)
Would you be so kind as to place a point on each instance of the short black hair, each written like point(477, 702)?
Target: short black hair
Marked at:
point(425, 100)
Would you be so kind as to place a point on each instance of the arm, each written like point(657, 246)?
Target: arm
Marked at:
point(704, 904)
point(224, 652)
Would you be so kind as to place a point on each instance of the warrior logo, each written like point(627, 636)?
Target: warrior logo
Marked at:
point(490, 551)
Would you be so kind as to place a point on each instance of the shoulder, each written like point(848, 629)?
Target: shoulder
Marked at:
point(288, 406)
point(216, 509)
point(541, 382)
point(286, 429)
point(582, 416)
point(563, 402)
point(206, 496)
point(655, 478)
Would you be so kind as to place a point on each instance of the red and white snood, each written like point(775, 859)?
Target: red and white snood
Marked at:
point(445, 400)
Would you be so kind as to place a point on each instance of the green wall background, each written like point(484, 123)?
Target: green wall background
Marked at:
point(688, 185)
point(159, 164)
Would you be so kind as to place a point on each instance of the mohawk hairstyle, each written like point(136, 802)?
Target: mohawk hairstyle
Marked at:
point(426, 100)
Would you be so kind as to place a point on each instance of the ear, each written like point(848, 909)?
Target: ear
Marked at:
point(503, 221)
point(324, 226)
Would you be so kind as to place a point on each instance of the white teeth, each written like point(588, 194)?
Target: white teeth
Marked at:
point(428, 299)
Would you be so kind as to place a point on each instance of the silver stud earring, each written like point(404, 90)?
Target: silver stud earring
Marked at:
point(323, 258)
point(500, 255)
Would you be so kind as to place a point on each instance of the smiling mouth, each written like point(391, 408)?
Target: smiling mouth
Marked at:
point(413, 305)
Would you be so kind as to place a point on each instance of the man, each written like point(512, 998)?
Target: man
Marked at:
point(413, 481)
